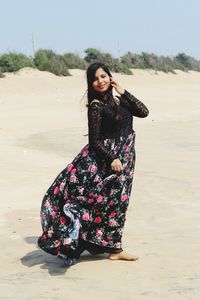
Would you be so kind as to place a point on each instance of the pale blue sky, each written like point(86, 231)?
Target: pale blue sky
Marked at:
point(158, 26)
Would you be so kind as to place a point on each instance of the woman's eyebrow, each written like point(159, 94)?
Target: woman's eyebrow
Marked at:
point(96, 77)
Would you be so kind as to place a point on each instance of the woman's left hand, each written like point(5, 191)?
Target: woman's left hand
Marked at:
point(116, 86)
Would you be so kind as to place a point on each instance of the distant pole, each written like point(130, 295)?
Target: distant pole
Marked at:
point(33, 44)
point(118, 52)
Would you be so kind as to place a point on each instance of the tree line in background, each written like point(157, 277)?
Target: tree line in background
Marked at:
point(47, 60)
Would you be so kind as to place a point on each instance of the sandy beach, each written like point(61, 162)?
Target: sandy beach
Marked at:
point(43, 126)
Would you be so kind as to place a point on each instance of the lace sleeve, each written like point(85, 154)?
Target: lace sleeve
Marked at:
point(94, 123)
point(136, 107)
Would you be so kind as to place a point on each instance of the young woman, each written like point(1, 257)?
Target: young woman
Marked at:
point(85, 207)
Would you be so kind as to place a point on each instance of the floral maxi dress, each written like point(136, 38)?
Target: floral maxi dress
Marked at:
point(88, 200)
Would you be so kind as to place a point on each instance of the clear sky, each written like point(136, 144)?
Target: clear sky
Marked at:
point(163, 27)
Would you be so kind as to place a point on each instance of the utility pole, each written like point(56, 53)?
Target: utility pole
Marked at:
point(33, 44)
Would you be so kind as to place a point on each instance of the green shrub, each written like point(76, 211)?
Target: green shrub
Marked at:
point(150, 61)
point(187, 62)
point(74, 61)
point(119, 67)
point(132, 60)
point(114, 64)
point(12, 62)
point(93, 55)
point(47, 60)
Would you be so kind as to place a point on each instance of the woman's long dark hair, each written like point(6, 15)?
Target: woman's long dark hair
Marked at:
point(92, 94)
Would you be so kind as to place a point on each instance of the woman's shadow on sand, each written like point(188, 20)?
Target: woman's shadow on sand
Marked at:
point(53, 264)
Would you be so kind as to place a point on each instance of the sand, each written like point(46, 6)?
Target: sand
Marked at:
point(43, 123)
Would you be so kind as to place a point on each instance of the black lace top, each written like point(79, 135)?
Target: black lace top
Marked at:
point(102, 123)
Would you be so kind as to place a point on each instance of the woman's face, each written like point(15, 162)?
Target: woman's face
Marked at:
point(101, 81)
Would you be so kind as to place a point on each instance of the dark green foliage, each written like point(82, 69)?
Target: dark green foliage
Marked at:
point(157, 63)
point(12, 62)
point(92, 55)
point(47, 60)
point(119, 67)
point(73, 61)
point(114, 64)
point(188, 62)
point(148, 61)
point(160, 63)
point(132, 60)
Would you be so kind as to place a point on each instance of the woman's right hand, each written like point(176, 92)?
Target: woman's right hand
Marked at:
point(116, 165)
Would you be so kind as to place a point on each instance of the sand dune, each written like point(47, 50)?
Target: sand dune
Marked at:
point(43, 125)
